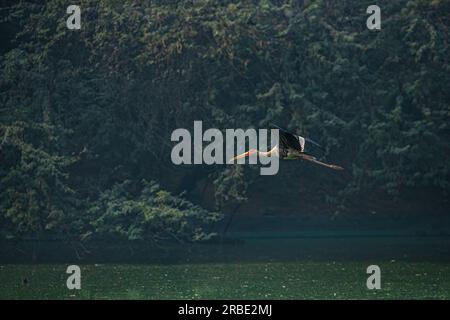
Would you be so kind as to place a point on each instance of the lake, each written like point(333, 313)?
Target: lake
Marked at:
point(262, 268)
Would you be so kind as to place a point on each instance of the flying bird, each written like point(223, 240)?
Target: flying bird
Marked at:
point(290, 147)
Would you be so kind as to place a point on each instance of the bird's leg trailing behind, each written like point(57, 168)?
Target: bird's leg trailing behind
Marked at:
point(310, 158)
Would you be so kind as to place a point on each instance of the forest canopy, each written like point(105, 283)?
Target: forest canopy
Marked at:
point(86, 115)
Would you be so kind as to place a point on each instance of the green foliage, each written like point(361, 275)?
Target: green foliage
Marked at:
point(35, 195)
point(230, 187)
point(152, 214)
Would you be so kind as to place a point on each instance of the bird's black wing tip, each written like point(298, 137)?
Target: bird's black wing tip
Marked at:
point(276, 126)
point(282, 129)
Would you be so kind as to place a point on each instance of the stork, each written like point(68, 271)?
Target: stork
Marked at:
point(290, 147)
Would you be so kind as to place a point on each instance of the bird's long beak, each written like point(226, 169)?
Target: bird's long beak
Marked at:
point(245, 154)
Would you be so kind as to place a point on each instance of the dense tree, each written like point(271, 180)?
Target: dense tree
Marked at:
point(86, 114)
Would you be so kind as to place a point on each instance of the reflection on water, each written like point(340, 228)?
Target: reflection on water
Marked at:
point(283, 260)
point(268, 268)
point(348, 248)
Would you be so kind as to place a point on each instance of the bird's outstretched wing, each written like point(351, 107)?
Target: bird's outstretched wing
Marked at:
point(294, 141)
point(288, 139)
point(307, 157)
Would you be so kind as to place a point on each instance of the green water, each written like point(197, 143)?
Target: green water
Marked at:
point(411, 268)
point(294, 280)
